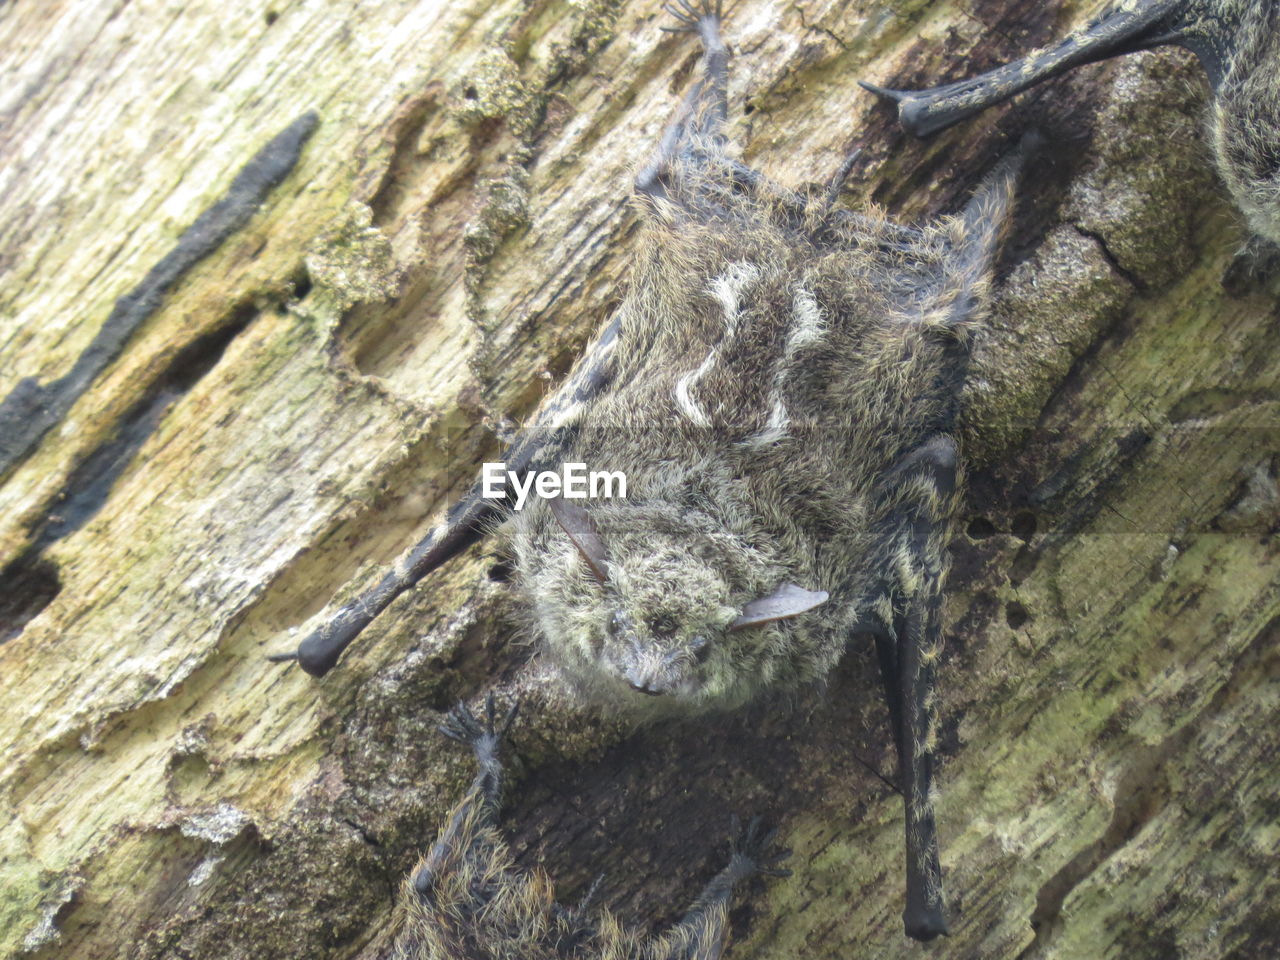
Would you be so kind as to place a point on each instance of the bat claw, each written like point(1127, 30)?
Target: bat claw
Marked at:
point(897, 96)
point(690, 15)
point(482, 736)
point(752, 851)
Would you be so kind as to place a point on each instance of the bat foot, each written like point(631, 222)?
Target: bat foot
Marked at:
point(483, 735)
point(693, 16)
point(753, 851)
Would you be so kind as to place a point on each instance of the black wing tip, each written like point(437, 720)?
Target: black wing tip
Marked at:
point(925, 924)
point(317, 654)
point(916, 110)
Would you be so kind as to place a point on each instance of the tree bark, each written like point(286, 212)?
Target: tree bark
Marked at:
point(308, 396)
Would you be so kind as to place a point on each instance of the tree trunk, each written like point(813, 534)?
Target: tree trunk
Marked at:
point(310, 393)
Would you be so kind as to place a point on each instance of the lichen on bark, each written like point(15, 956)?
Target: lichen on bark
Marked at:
point(1108, 697)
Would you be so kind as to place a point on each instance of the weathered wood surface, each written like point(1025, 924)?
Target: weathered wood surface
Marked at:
point(316, 389)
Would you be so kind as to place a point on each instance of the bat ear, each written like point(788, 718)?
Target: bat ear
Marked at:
point(787, 601)
point(576, 522)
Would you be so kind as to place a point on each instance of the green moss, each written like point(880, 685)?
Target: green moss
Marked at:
point(492, 89)
point(24, 887)
point(352, 262)
point(1047, 313)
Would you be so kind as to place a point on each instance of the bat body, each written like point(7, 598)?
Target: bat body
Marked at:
point(780, 389)
point(466, 898)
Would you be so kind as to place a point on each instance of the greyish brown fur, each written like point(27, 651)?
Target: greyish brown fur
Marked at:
point(467, 900)
point(779, 387)
point(771, 376)
point(1244, 117)
point(782, 399)
point(1237, 41)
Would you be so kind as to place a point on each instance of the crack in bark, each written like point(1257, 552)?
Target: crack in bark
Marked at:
point(1138, 284)
point(28, 412)
point(29, 583)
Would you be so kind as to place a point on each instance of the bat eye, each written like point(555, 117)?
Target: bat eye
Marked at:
point(663, 626)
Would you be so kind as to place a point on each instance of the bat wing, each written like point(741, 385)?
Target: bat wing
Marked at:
point(540, 446)
point(1126, 28)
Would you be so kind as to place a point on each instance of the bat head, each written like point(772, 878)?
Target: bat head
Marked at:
point(658, 608)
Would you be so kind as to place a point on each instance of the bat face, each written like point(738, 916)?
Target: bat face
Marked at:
point(663, 633)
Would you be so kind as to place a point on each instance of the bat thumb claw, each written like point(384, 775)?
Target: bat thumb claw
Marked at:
point(897, 96)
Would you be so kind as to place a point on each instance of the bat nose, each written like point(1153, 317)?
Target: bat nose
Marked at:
point(644, 678)
point(646, 687)
point(643, 669)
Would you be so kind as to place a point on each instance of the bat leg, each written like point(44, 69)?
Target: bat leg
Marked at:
point(480, 807)
point(1126, 28)
point(983, 223)
point(484, 737)
point(701, 933)
point(464, 524)
point(699, 123)
point(706, 107)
